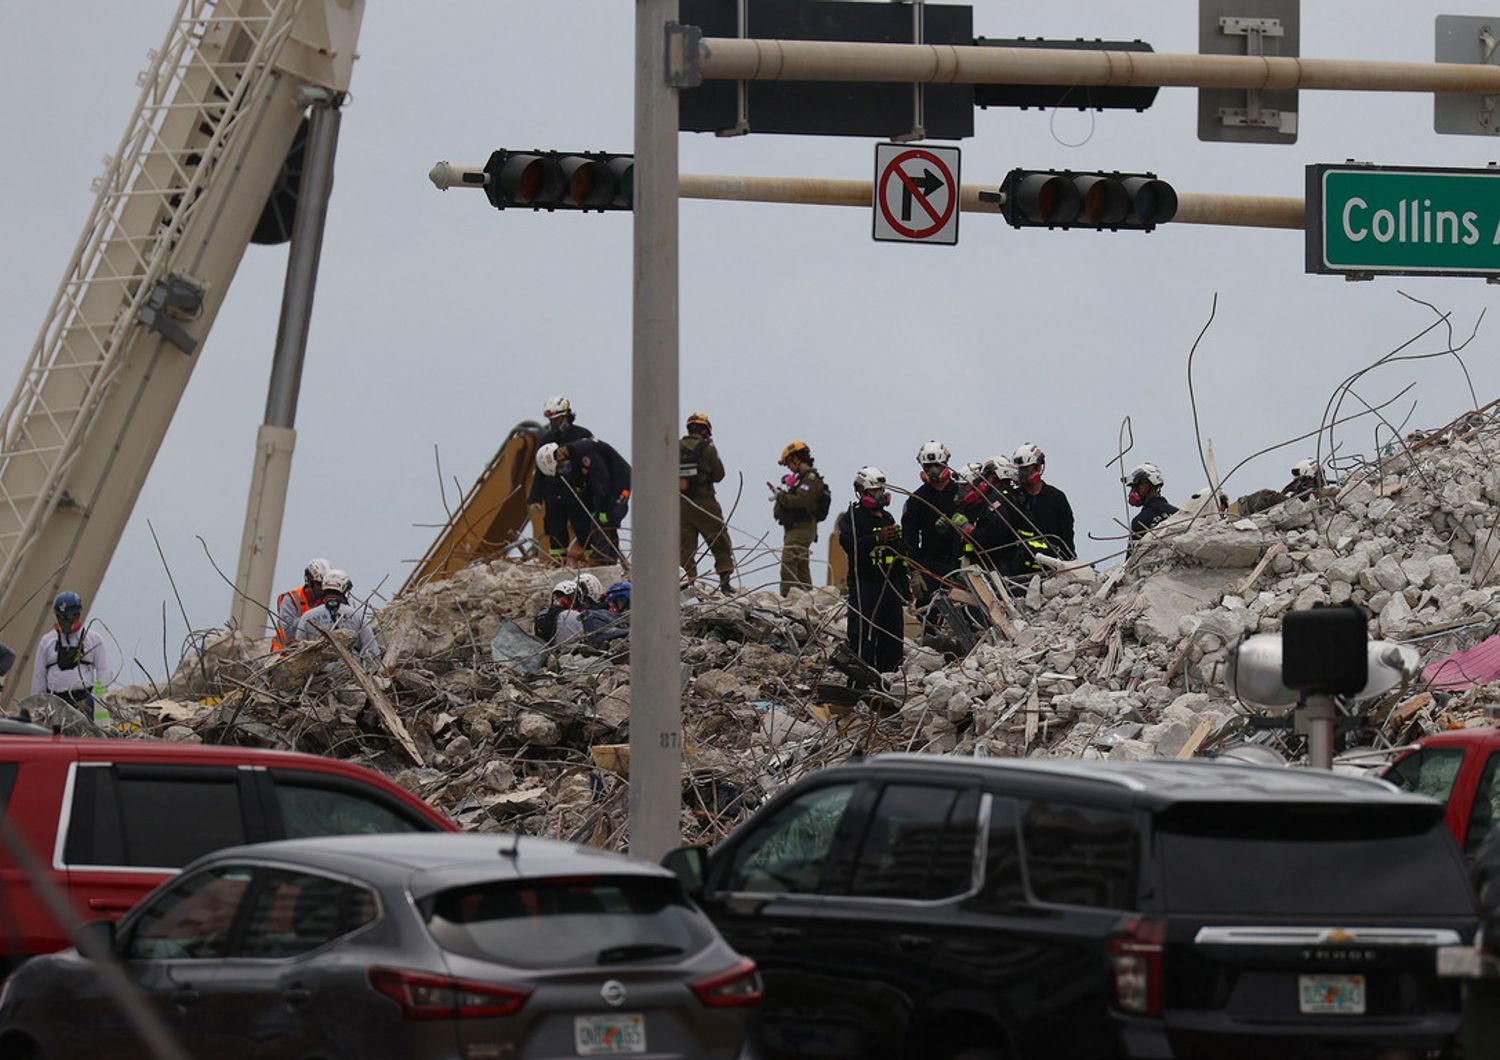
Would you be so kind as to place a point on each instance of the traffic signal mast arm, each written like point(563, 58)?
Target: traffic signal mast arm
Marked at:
point(730, 59)
point(1249, 211)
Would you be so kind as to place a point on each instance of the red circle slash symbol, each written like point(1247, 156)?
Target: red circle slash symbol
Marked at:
point(917, 191)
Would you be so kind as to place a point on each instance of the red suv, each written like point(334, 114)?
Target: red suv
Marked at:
point(111, 819)
point(1460, 768)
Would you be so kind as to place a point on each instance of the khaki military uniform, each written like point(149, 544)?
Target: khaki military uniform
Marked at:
point(796, 510)
point(701, 515)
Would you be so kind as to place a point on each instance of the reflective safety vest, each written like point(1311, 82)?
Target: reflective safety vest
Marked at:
point(304, 605)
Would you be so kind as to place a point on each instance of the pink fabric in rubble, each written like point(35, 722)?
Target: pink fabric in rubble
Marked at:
point(1465, 669)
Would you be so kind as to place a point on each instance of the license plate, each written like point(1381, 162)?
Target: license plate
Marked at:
point(610, 1035)
point(1337, 995)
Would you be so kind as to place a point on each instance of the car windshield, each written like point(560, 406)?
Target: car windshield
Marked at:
point(1281, 860)
point(568, 922)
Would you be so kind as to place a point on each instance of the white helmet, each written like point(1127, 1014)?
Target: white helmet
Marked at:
point(869, 477)
point(1002, 467)
point(336, 581)
point(590, 587)
point(933, 452)
point(1306, 469)
point(567, 587)
point(557, 406)
point(315, 571)
point(1145, 473)
point(546, 459)
point(970, 473)
point(1027, 454)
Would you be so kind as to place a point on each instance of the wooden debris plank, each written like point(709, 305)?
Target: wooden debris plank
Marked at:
point(383, 709)
point(985, 591)
point(1260, 568)
point(1033, 712)
point(1195, 741)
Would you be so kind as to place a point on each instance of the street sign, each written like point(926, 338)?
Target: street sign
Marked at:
point(1254, 28)
point(1403, 220)
point(916, 194)
point(1465, 39)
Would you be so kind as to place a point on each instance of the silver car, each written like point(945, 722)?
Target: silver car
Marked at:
point(422, 947)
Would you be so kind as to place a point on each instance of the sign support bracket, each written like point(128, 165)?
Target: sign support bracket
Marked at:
point(1253, 115)
point(919, 89)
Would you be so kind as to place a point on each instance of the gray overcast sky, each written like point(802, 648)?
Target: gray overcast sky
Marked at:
point(440, 322)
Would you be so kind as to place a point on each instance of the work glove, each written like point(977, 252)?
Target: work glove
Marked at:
point(888, 534)
point(960, 522)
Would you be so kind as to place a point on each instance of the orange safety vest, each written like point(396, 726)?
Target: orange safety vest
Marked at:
point(304, 605)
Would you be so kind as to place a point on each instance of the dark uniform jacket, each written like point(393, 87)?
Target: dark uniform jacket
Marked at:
point(701, 455)
point(601, 476)
point(799, 503)
point(1152, 512)
point(994, 539)
point(871, 538)
point(548, 489)
point(1051, 516)
point(926, 526)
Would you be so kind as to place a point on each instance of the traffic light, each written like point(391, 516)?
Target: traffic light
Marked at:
point(1061, 198)
point(1083, 97)
point(560, 180)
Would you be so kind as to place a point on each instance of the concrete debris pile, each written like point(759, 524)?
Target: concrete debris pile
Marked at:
point(1122, 663)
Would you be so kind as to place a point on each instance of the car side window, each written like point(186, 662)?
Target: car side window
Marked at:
point(310, 810)
point(1485, 813)
point(788, 852)
point(1428, 771)
point(919, 844)
point(294, 913)
point(192, 919)
point(118, 817)
point(1080, 855)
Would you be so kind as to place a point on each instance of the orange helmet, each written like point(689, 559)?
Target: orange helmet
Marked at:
point(792, 449)
point(698, 419)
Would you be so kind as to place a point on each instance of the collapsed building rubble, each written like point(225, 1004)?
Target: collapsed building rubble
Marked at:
point(501, 733)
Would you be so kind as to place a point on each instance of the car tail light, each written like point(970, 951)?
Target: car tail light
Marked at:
point(735, 988)
point(437, 997)
point(1136, 958)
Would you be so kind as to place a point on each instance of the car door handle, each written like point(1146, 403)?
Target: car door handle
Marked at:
point(185, 996)
point(913, 943)
point(296, 995)
point(111, 905)
point(784, 934)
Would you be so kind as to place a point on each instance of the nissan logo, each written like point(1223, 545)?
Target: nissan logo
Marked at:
point(613, 992)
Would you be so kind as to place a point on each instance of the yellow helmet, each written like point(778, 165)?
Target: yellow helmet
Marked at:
point(793, 448)
point(698, 419)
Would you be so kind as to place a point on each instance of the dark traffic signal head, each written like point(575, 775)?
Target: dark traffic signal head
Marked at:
point(560, 180)
point(1061, 198)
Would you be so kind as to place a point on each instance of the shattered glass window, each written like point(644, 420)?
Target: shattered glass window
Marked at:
point(919, 844)
point(1428, 771)
point(789, 852)
point(1485, 813)
point(312, 811)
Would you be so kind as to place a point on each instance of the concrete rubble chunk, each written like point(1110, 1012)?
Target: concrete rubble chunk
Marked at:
point(1218, 546)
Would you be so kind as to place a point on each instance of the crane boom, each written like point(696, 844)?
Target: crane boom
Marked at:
point(174, 212)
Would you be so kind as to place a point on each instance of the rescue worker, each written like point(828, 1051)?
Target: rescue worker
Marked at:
point(294, 603)
point(71, 662)
point(800, 503)
point(1145, 482)
point(590, 591)
point(1307, 480)
point(612, 622)
point(561, 620)
point(1046, 508)
point(878, 587)
point(337, 611)
point(1008, 541)
point(933, 544)
point(699, 468)
point(598, 478)
point(549, 499)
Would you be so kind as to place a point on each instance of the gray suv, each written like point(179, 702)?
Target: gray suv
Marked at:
point(411, 946)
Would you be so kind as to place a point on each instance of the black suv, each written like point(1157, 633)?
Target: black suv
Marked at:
point(974, 909)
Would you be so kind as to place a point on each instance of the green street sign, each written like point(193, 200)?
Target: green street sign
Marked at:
point(1403, 220)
